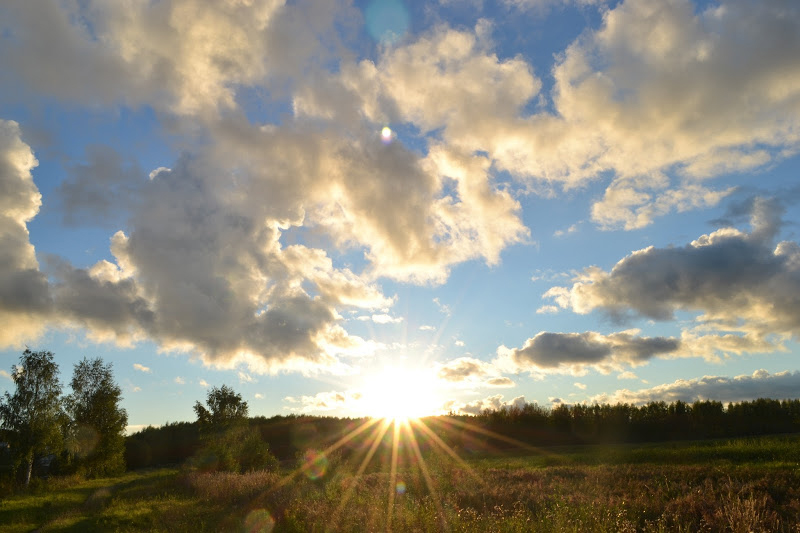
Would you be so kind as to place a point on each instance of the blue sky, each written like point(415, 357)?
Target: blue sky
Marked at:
point(576, 200)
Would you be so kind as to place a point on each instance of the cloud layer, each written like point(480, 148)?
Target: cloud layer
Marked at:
point(761, 384)
point(655, 102)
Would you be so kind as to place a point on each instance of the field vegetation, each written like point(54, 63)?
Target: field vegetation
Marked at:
point(750, 484)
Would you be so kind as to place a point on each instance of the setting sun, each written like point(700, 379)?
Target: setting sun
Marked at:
point(399, 394)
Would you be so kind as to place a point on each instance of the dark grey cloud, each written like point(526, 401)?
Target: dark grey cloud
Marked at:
point(575, 352)
point(738, 281)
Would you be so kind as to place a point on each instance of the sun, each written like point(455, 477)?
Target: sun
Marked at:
point(399, 394)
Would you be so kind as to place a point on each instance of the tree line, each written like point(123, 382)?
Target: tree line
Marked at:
point(651, 422)
point(287, 437)
point(81, 432)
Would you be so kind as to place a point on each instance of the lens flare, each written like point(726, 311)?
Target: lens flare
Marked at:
point(315, 464)
point(387, 20)
point(401, 487)
point(259, 521)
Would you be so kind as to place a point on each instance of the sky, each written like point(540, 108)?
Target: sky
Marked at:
point(393, 208)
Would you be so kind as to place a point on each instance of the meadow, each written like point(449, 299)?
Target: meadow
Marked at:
point(748, 484)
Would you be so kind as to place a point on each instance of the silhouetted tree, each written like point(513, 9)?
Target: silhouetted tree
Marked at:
point(33, 415)
point(225, 410)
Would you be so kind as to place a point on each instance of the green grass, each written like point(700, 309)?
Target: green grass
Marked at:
point(727, 485)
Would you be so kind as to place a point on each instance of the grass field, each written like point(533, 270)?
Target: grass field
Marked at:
point(727, 485)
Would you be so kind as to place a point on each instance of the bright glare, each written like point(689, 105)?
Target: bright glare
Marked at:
point(399, 394)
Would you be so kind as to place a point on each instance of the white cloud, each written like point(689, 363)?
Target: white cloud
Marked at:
point(627, 375)
point(491, 403)
point(325, 401)
point(136, 389)
point(386, 319)
point(133, 428)
point(425, 327)
point(760, 384)
point(180, 381)
point(581, 386)
point(258, 396)
point(459, 343)
point(244, 377)
point(141, 368)
point(203, 383)
point(5, 374)
point(155, 172)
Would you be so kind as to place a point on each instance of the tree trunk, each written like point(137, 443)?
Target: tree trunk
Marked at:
point(28, 471)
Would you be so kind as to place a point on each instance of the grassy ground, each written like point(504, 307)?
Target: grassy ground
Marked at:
point(736, 485)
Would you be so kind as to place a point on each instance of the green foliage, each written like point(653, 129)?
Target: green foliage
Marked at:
point(32, 415)
point(96, 436)
point(255, 455)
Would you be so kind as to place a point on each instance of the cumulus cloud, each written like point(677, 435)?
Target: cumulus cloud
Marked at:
point(203, 383)
point(645, 96)
point(141, 368)
point(184, 56)
point(471, 371)
point(491, 403)
point(574, 353)
point(179, 381)
point(24, 294)
point(324, 401)
point(740, 282)
point(760, 384)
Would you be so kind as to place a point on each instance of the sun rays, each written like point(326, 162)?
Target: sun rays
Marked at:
point(404, 455)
